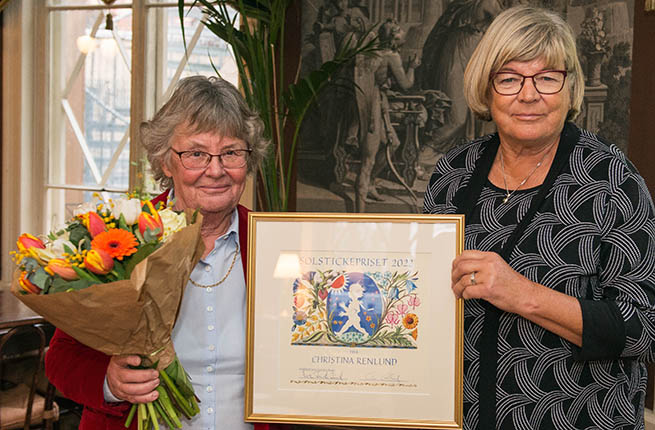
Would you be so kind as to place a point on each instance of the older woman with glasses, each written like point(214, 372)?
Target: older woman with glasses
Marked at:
point(201, 146)
point(558, 274)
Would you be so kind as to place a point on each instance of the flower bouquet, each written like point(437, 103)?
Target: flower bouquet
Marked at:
point(113, 279)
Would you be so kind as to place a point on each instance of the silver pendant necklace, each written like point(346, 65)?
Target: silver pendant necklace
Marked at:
point(508, 194)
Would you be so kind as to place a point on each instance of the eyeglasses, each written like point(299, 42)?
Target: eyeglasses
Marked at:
point(546, 82)
point(198, 160)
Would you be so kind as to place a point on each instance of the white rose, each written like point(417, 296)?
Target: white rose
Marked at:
point(84, 208)
point(172, 222)
point(129, 208)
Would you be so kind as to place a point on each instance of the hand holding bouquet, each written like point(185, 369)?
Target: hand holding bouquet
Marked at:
point(113, 279)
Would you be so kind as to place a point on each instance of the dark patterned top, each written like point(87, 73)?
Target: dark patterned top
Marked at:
point(593, 237)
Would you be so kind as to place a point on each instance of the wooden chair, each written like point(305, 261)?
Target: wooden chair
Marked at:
point(20, 405)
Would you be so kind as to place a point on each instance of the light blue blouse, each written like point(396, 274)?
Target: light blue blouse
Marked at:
point(209, 336)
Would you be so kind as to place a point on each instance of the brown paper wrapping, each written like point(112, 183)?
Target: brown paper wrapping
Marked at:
point(134, 316)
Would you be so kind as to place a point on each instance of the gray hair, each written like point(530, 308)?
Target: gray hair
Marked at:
point(522, 33)
point(202, 104)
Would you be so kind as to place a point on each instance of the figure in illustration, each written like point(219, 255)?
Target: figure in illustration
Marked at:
point(446, 52)
point(373, 77)
point(373, 309)
point(352, 310)
point(340, 22)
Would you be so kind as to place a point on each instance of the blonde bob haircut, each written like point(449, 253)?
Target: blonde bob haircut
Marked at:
point(522, 33)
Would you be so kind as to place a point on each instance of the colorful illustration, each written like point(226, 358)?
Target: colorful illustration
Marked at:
point(371, 309)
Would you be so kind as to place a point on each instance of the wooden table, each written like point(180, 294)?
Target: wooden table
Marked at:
point(13, 313)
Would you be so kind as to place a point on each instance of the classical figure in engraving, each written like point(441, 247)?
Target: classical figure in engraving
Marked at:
point(446, 52)
point(374, 76)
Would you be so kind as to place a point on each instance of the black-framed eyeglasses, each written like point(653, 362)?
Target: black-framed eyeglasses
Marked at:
point(198, 160)
point(546, 82)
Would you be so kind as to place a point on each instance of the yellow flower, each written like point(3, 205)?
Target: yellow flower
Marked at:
point(410, 321)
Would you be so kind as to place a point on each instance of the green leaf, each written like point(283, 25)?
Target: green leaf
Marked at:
point(139, 256)
point(119, 269)
point(40, 278)
point(122, 224)
point(61, 285)
point(83, 274)
point(151, 235)
point(29, 264)
point(78, 233)
point(86, 243)
point(181, 379)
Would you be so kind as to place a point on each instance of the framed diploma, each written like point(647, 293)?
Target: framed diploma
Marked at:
point(352, 321)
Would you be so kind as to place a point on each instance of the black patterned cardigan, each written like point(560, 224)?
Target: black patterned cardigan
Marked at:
point(592, 237)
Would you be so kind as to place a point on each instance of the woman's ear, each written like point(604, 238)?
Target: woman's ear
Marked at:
point(166, 168)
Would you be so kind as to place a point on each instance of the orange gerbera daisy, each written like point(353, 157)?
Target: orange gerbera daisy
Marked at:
point(410, 321)
point(116, 242)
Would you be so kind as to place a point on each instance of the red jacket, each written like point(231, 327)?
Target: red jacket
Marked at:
point(79, 371)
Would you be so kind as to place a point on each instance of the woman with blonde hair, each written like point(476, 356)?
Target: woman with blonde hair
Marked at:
point(558, 275)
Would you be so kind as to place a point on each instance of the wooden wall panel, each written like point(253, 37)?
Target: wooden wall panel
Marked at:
point(641, 149)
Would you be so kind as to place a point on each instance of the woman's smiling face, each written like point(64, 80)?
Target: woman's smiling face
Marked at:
point(530, 118)
point(213, 189)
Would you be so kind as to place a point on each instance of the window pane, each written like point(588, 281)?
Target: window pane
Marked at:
point(89, 102)
point(209, 46)
point(72, 3)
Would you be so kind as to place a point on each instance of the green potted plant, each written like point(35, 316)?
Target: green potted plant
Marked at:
point(258, 45)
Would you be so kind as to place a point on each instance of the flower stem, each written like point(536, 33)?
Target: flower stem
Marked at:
point(167, 406)
point(153, 415)
point(130, 416)
point(183, 403)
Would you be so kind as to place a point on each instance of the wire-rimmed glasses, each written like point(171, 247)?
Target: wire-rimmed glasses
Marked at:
point(198, 160)
point(546, 82)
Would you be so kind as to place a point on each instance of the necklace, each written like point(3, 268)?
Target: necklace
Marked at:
point(215, 284)
point(508, 194)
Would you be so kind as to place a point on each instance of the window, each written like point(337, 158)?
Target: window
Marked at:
point(84, 89)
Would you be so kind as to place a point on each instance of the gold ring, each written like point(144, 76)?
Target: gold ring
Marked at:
point(473, 281)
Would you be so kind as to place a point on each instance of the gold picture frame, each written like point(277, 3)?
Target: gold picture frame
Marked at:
point(352, 321)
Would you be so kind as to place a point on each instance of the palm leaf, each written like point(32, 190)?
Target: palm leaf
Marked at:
point(258, 46)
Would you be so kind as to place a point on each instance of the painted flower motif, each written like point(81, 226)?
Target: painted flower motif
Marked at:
point(410, 285)
point(116, 242)
point(392, 293)
point(322, 293)
point(302, 296)
point(415, 333)
point(392, 318)
point(414, 301)
point(298, 300)
point(402, 308)
point(410, 321)
point(299, 318)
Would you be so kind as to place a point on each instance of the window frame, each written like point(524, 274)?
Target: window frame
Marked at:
point(27, 121)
